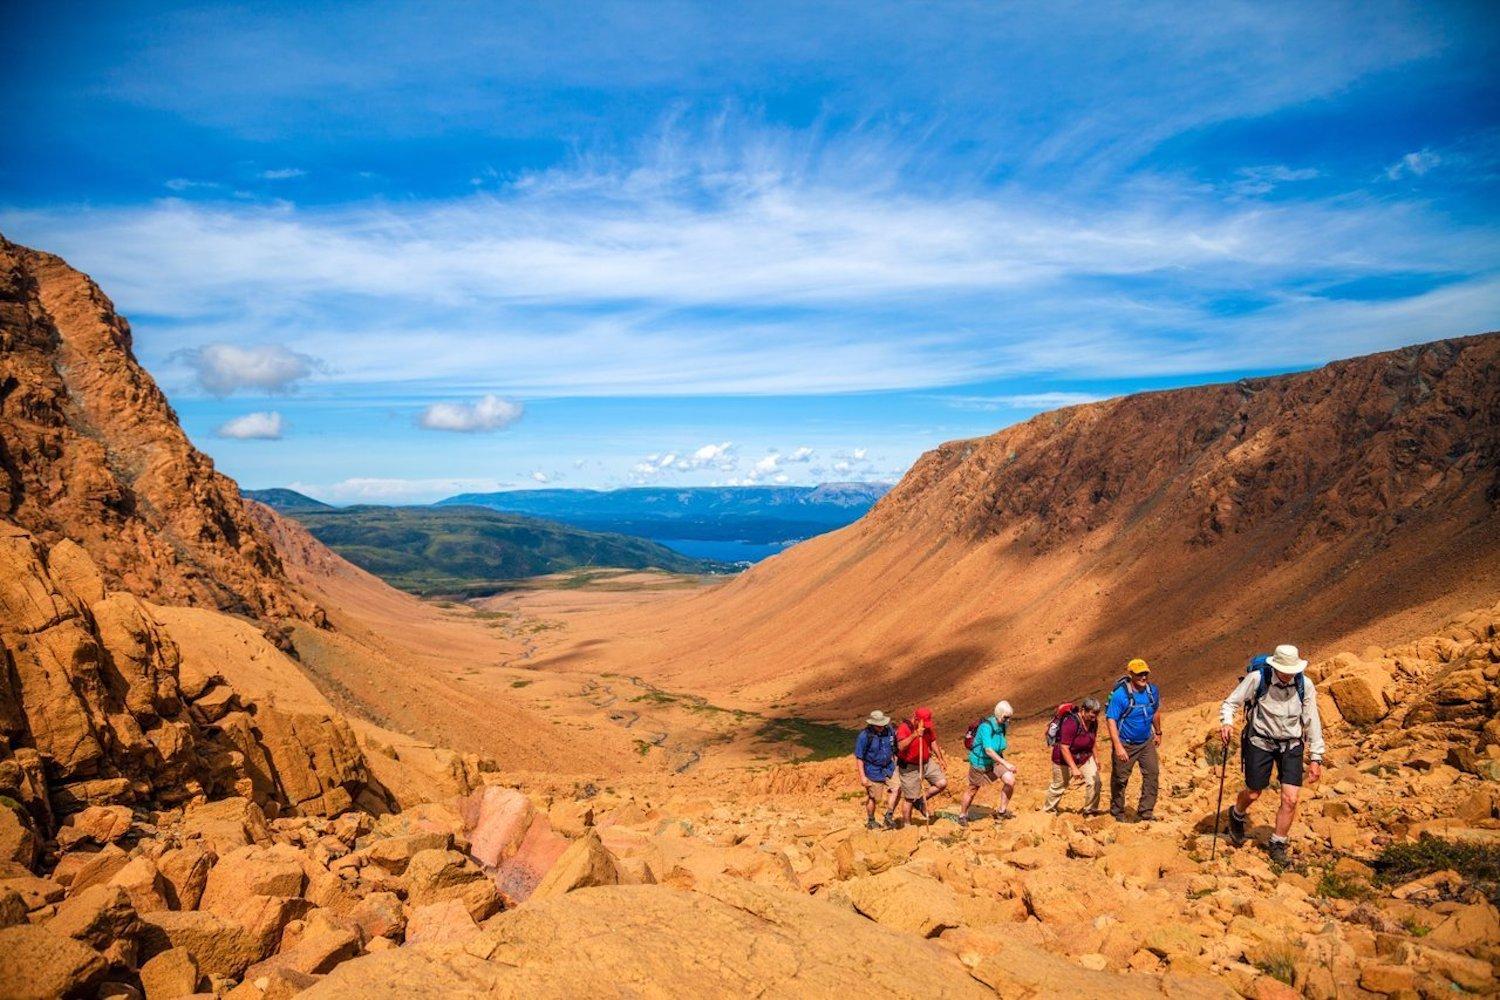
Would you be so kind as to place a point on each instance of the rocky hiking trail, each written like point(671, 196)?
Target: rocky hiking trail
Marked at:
point(763, 881)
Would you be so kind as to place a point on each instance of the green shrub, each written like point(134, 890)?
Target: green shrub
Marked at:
point(1334, 885)
point(1478, 864)
point(1280, 962)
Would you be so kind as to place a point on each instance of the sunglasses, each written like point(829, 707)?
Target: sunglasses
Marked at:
point(1141, 677)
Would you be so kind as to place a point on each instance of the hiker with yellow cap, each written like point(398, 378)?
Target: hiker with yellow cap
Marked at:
point(1281, 725)
point(1135, 729)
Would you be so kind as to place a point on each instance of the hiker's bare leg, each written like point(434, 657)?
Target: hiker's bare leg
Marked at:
point(968, 800)
point(1246, 799)
point(906, 812)
point(892, 794)
point(1288, 810)
point(870, 794)
point(936, 790)
point(1007, 789)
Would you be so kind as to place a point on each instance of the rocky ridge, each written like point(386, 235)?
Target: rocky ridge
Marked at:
point(91, 451)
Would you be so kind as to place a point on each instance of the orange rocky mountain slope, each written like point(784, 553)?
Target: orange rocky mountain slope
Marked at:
point(1356, 503)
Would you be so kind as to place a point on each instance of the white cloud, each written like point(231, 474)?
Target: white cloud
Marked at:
point(709, 456)
point(803, 454)
point(221, 369)
point(1413, 164)
point(670, 271)
point(264, 426)
point(1263, 179)
point(490, 413)
point(540, 477)
point(283, 174)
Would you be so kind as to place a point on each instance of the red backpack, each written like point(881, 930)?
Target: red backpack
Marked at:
point(1054, 728)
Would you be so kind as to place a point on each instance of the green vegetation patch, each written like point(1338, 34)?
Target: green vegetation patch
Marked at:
point(1479, 864)
point(822, 740)
point(463, 552)
point(1335, 885)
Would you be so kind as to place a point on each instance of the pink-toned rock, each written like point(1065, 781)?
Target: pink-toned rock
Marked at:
point(440, 922)
point(520, 874)
point(496, 819)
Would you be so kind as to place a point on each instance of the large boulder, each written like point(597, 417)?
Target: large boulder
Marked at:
point(170, 974)
point(96, 916)
point(1362, 694)
point(36, 964)
point(226, 824)
point(19, 843)
point(221, 946)
point(586, 863)
point(253, 871)
point(904, 901)
point(496, 819)
point(733, 939)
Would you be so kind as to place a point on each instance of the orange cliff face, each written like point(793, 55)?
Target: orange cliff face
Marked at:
point(94, 453)
point(1359, 503)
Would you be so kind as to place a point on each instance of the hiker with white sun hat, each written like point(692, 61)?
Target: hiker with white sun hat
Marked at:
point(875, 749)
point(1281, 726)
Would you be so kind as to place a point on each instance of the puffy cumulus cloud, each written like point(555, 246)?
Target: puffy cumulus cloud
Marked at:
point(709, 456)
point(221, 369)
point(490, 413)
point(801, 455)
point(265, 426)
point(540, 477)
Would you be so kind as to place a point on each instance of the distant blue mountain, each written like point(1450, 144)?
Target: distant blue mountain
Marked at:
point(763, 517)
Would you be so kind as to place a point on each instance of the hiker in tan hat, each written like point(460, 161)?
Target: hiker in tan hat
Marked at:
point(875, 749)
point(1281, 725)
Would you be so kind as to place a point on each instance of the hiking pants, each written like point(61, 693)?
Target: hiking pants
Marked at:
point(1143, 754)
point(1089, 769)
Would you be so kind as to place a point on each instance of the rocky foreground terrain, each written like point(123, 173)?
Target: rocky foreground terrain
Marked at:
point(182, 840)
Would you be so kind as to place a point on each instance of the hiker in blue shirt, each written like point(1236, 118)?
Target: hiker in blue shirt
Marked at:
point(1135, 728)
point(875, 749)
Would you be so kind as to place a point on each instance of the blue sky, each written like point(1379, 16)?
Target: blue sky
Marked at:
point(393, 251)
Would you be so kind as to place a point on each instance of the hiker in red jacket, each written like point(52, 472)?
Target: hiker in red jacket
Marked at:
point(919, 759)
point(1073, 761)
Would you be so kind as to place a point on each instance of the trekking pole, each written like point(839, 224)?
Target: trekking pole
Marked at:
point(1219, 809)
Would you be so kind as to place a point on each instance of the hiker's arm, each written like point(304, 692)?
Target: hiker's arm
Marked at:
point(1156, 718)
point(1067, 756)
point(1114, 735)
point(1232, 703)
point(902, 744)
point(1312, 725)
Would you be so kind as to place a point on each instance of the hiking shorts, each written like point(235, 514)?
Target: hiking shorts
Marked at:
point(876, 788)
point(982, 776)
point(912, 775)
point(1258, 765)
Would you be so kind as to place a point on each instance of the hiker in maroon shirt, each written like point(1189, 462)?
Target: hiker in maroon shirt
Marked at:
point(1073, 759)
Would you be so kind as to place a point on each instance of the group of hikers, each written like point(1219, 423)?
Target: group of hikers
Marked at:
point(905, 764)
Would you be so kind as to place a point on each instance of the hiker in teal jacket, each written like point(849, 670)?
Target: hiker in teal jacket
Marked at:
point(987, 764)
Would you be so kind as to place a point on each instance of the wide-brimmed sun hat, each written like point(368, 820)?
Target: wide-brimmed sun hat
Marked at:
point(1286, 660)
point(878, 719)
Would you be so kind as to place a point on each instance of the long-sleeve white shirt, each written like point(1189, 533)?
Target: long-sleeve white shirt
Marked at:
point(1278, 718)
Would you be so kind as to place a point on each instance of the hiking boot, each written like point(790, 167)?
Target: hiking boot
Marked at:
point(961, 820)
point(890, 821)
point(1277, 851)
point(919, 805)
point(1236, 828)
point(870, 824)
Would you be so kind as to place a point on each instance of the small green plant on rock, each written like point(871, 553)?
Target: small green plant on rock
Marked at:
point(1280, 962)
